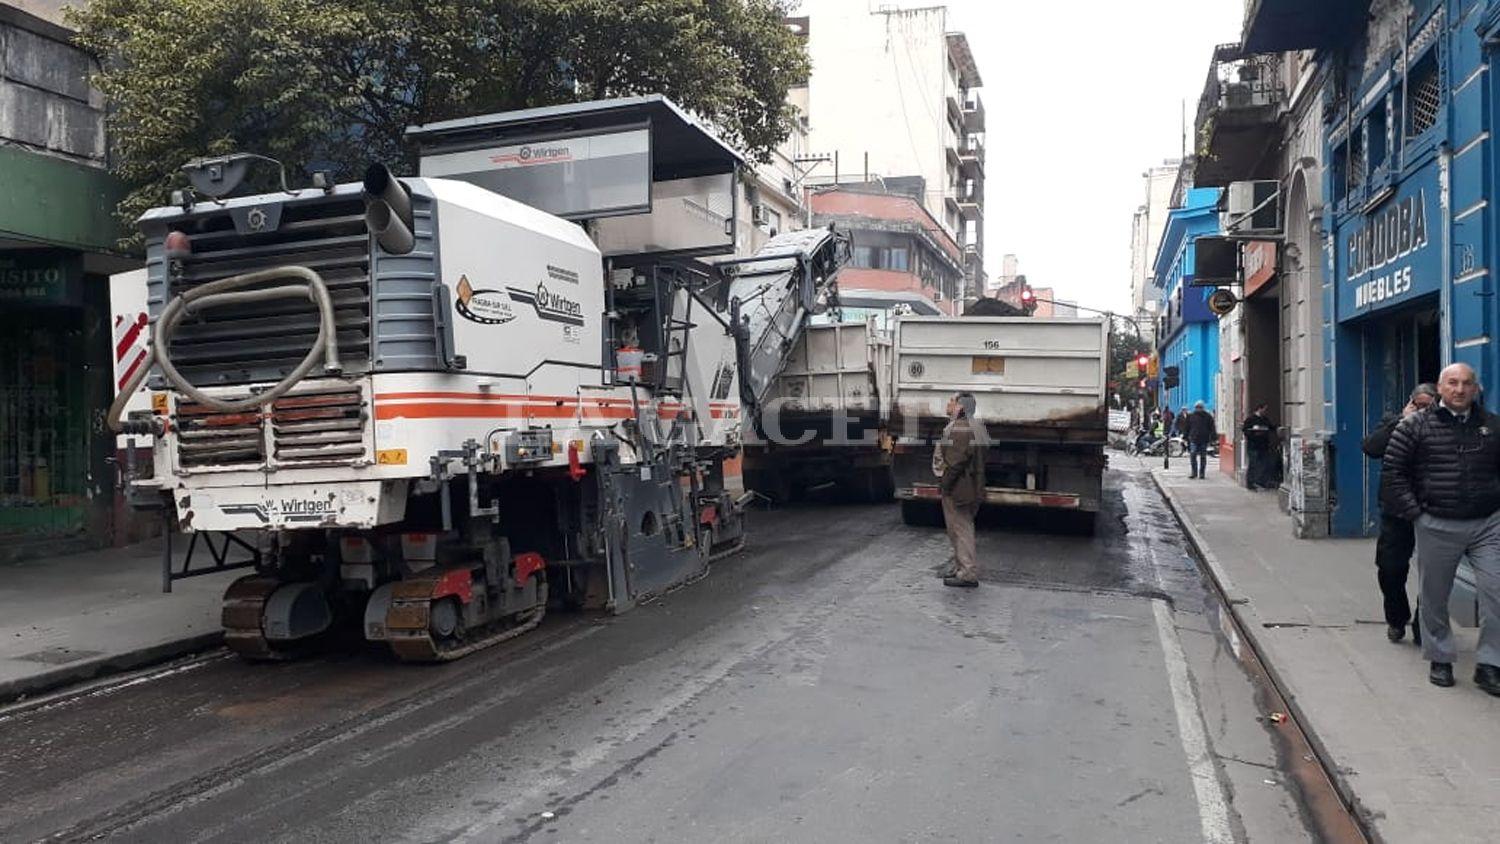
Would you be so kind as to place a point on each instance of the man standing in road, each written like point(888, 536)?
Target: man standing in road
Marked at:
point(1442, 471)
point(1397, 539)
point(1200, 431)
point(1258, 429)
point(958, 462)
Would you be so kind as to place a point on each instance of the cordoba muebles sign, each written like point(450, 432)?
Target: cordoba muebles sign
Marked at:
point(1386, 257)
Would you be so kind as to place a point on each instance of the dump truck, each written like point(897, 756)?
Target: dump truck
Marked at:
point(1040, 390)
point(822, 421)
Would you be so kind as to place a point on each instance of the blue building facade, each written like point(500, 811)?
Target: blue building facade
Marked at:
point(1411, 231)
point(1188, 332)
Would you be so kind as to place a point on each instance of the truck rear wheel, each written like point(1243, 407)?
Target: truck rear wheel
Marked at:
point(1081, 522)
point(771, 483)
point(869, 486)
point(919, 513)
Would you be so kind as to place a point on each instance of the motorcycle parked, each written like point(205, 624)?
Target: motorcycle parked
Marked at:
point(1146, 444)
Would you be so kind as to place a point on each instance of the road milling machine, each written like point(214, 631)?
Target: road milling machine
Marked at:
point(432, 406)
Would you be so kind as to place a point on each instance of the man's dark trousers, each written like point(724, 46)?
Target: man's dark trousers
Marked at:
point(1393, 563)
point(1198, 458)
point(1257, 473)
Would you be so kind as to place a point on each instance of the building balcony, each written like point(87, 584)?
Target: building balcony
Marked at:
point(971, 155)
point(1275, 26)
point(974, 114)
point(1238, 117)
point(971, 202)
point(955, 108)
point(973, 259)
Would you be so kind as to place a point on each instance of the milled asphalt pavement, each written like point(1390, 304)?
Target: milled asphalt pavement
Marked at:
point(821, 686)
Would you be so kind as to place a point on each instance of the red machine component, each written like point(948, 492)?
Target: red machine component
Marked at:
point(458, 583)
point(575, 464)
point(528, 564)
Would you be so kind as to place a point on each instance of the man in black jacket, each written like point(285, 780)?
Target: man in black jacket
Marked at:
point(1397, 539)
point(1442, 471)
point(1259, 431)
point(1200, 430)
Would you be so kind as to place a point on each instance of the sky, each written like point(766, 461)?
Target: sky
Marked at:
point(1080, 98)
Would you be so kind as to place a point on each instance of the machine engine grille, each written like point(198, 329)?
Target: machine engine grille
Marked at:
point(316, 427)
point(265, 341)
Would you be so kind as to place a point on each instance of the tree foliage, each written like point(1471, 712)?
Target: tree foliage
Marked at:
point(332, 84)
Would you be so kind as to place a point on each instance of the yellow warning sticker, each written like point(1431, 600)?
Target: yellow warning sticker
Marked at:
point(390, 457)
point(159, 403)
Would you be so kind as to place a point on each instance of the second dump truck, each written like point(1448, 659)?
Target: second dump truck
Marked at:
point(1040, 390)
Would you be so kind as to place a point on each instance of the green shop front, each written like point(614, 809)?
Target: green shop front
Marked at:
point(58, 241)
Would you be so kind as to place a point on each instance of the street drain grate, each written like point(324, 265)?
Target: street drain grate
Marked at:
point(58, 655)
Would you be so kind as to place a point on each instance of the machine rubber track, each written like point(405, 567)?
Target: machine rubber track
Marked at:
point(244, 607)
point(409, 633)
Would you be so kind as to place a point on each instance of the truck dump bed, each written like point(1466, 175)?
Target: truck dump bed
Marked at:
point(822, 417)
point(1045, 375)
point(838, 367)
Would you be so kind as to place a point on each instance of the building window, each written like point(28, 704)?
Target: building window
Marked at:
point(1356, 164)
point(1424, 87)
point(770, 220)
point(1376, 137)
point(1340, 172)
point(896, 258)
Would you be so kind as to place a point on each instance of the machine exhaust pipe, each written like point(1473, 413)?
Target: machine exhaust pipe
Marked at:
point(388, 211)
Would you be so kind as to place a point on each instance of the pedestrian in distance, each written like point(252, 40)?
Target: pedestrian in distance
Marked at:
point(1442, 472)
point(958, 462)
point(1200, 430)
point(1168, 419)
point(1258, 430)
point(1397, 536)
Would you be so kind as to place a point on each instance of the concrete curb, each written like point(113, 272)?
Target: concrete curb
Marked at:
point(88, 669)
point(1249, 623)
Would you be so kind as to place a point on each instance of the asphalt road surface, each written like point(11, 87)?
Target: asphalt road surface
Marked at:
point(821, 686)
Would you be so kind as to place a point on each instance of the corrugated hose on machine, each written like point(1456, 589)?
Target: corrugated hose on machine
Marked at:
point(221, 293)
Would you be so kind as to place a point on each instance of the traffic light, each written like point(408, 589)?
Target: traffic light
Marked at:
point(1170, 376)
point(1143, 383)
point(1142, 360)
point(1028, 299)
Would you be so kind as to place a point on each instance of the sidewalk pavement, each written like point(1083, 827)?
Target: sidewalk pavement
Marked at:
point(1419, 763)
point(69, 618)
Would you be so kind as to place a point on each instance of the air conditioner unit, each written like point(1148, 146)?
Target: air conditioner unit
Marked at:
point(1251, 209)
point(758, 215)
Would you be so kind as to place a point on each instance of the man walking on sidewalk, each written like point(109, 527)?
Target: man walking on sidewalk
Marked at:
point(1397, 538)
point(958, 462)
point(1442, 471)
point(1200, 431)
